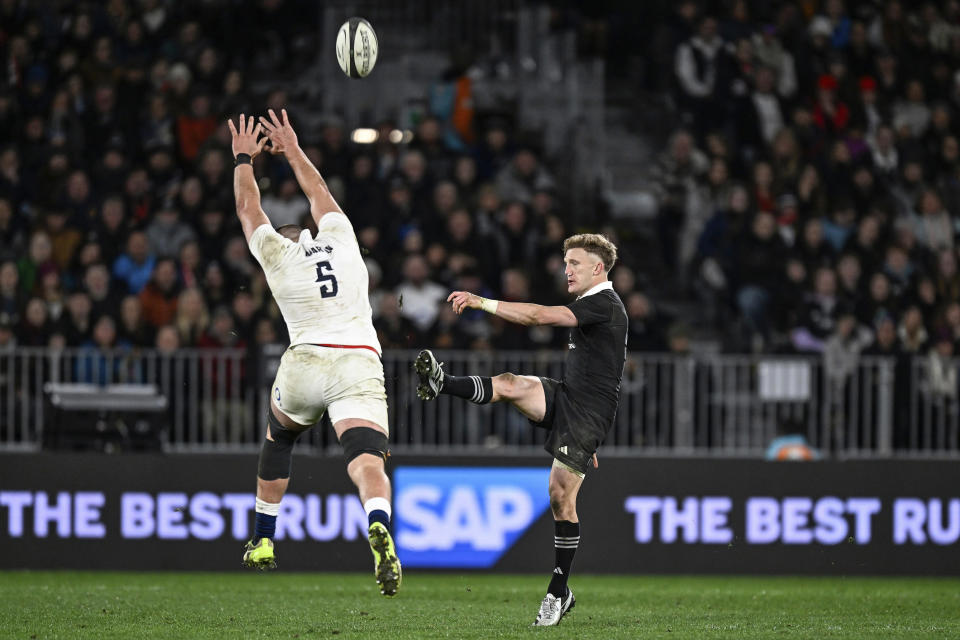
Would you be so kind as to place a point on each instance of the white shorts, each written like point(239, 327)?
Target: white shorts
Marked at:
point(346, 382)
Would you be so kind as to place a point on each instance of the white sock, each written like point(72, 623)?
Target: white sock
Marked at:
point(377, 503)
point(268, 507)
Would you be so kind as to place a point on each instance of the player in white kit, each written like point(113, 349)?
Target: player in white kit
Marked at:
point(333, 362)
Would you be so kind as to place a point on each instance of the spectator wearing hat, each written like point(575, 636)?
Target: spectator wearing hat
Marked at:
point(830, 114)
point(868, 115)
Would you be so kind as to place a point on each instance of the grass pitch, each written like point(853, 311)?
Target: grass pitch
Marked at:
point(45, 605)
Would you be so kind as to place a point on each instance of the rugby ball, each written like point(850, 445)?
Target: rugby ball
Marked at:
point(357, 48)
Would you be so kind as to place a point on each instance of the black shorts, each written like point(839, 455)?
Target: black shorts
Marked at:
point(574, 435)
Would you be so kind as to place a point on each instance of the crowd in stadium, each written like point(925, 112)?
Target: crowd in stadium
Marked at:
point(813, 192)
point(808, 197)
point(117, 223)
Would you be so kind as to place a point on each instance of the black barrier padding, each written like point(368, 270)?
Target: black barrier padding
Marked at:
point(608, 542)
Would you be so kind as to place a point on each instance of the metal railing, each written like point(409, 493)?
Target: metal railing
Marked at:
point(216, 400)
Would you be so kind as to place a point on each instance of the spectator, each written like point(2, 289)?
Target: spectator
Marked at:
point(133, 330)
point(394, 329)
point(38, 261)
point(932, 225)
point(192, 318)
point(841, 352)
point(167, 341)
point(646, 330)
point(516, 238)
point(821, 308)
point(77, 324)
point(885, 338)
point(244, 309)
point(676, 176)
point(911, 116)
point(158, 299)
point(697, 65)
point(759, 263)
point(288, 205)
point(188, 272)
point(103, 297)
point(418, 295)
point(11, 296)
point(110, 229)
point(135, 266)
point(523, 177)
point(167, 233)
point(194, 127)
point(98, 361)
point(64, 240)
point(34, 327)
point(911, 332)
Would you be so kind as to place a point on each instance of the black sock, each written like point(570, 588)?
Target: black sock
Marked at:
point(565, 543)
point(478, 389)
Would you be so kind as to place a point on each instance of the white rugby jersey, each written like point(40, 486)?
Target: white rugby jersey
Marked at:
point(320, 284)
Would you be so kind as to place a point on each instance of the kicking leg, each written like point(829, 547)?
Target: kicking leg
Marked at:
point(365, 449)
point(564, 486)
point(523, 392)
point(273, 476)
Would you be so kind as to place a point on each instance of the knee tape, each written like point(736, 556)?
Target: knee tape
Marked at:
point(276, 456)
point(359, 440)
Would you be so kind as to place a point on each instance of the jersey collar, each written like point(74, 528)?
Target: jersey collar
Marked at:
point(597, 288)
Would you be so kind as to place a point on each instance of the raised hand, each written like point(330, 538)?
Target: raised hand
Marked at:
point(463, 300)
point(282, 136)
point(245, 139)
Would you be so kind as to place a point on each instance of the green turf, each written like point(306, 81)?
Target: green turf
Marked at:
point(289, 605)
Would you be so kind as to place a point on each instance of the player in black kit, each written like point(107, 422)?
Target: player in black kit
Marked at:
point(578, 410)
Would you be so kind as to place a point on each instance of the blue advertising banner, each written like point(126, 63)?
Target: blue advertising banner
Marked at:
point(464, 517)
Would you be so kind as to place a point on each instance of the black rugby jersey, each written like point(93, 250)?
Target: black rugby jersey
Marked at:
point(596, 353)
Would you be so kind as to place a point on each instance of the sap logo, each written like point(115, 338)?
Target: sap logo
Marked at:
point(464, 516)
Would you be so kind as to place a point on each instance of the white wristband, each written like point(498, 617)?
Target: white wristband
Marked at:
point(488, 305)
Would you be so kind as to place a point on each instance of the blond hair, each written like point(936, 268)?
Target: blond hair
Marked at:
point(596, 244)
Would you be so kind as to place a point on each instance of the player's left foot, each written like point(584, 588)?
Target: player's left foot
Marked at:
point(260, 556)
point(387, 567)
point(430, 373)
point(552, 609)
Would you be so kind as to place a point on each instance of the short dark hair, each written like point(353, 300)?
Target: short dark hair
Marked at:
point(291, 231)
point(596, 244)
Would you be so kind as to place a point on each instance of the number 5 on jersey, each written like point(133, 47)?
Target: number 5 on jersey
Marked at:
point(328, 287)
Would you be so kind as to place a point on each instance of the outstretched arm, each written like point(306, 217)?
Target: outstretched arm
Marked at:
point(525, 313)
point(283, 139)
point(245, 189)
